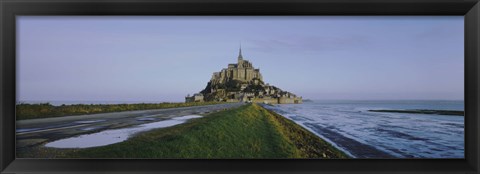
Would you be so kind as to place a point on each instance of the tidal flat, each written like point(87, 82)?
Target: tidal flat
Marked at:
point(350, 126)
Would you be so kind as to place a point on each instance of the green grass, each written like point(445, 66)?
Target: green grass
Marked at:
point(246, 132)
point(45, 110)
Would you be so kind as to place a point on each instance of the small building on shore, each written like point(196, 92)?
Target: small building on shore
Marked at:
point(198, 97)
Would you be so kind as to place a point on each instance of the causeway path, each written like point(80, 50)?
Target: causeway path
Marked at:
point(36, 131)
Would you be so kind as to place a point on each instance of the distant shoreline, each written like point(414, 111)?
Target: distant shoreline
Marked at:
point(424, 111)
point(81, 102)
point(26, 111)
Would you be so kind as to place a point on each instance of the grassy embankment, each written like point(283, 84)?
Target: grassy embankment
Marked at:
point(246, 132)
point(45, 110)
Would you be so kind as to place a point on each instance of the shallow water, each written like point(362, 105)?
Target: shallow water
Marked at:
point(113, 136)
point(352, 128)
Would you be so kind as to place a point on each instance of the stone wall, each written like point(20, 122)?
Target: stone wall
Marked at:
point(286, 100)
point(281, 100)
point(267, 101)
point(233, 100)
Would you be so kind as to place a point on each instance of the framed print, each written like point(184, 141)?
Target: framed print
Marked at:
point(248, 87)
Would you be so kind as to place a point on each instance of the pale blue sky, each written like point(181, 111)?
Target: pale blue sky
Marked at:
point(155, 58)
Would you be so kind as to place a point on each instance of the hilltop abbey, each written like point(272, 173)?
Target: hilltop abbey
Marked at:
point(241, 82)
point(243, 71)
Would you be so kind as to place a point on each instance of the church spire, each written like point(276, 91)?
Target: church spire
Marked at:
point(240, 53)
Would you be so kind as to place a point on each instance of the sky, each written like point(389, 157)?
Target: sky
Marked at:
point(164, 58)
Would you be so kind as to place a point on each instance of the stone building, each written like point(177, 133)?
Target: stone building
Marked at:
point(242, 71)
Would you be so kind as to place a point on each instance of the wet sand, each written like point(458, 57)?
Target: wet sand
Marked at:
point(357, 149)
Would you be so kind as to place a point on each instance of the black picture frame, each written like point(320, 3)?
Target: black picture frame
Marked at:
point(9, 9)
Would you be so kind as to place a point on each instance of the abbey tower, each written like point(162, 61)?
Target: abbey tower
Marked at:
point(242, 71)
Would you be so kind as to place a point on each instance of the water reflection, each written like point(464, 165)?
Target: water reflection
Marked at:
point(108, 137)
